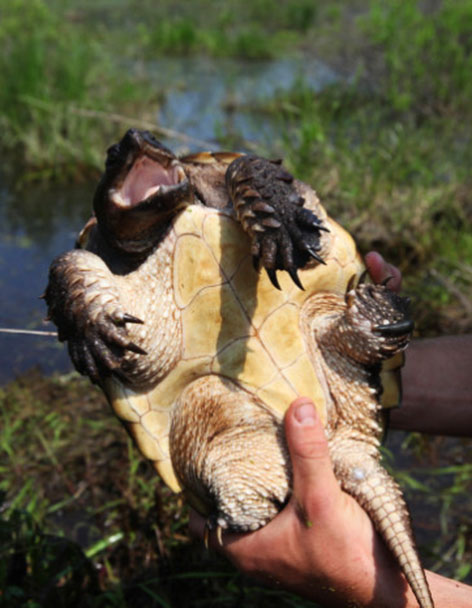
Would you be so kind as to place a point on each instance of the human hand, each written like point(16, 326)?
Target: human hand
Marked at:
point(322, 545)
point(380, 270)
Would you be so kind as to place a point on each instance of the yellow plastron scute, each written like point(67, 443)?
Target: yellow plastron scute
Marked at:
point(233, 323)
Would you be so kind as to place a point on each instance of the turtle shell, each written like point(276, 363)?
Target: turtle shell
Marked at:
point(234, 324)
point(186, 329)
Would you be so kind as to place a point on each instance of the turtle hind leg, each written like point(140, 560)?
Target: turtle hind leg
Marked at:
point(379, 495)
point(229, 455)
point(284, 234)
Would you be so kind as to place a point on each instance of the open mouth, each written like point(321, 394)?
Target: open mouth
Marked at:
point(147, 180)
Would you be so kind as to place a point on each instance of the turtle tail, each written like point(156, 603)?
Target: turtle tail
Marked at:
point(381, 497)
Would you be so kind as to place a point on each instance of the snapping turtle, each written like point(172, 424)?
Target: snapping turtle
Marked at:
point(162, 304)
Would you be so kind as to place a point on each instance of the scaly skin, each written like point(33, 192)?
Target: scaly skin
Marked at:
point(166, 313)
point(354, 430)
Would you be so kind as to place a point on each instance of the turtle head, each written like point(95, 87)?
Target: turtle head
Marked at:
point(144, 185)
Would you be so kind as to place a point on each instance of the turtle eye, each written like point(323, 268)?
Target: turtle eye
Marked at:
point(149, 137)
point(113, 154)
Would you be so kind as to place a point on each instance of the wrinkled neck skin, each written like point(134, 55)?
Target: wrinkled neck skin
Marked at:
point(132, 235)
point(119, 261)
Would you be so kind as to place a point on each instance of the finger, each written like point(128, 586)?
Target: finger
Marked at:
point(380, 270)
point(314, 483)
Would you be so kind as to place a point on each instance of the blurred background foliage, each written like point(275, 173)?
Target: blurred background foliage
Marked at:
point(367, 101)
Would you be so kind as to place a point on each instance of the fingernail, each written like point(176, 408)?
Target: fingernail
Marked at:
point(305, 414)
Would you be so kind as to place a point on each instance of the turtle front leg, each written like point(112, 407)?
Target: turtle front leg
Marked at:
point(229, 455)
point(84, 302)
point(285, 235)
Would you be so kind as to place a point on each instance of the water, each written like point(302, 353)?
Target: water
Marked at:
point(37, 222)
point(207, 96)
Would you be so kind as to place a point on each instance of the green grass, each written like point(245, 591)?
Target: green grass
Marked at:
point(252, 30)
point(49, 69)
point(84, 521)
point(424, 54)
point(437, 484)
point(61, 57)
point(389, 151)
point(389, 181)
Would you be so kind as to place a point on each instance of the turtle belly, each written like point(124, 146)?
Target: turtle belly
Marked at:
point(235, 323)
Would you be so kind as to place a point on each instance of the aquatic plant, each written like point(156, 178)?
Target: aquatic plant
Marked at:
point(47, 70)
point(423, 54)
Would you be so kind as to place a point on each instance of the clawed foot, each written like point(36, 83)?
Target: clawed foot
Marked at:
point(206, 533)
point(288, 245)
point(378, 320)
point(284, 234)
point(99, 349)
point(85, 305)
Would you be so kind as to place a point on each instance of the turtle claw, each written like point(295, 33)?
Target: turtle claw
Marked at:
point(351, 283)
point(294, 276)
point(386, 281)
point(219, 535)
point(306, 217)
point(272, 274)
point(395, 329)
point(121, 318)
point(127, 318)
point(206, 536)
point(207, 531)
point(363, 277)
point(136, 349)
point(315, 255)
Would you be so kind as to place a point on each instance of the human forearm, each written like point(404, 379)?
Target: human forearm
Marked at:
point(437, 385)
point(448, 593)
point(323, 545)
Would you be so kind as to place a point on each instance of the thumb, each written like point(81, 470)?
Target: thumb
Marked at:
point(313, 476)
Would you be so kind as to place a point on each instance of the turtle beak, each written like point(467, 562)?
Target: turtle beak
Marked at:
point(141, 211)
point(143, 187)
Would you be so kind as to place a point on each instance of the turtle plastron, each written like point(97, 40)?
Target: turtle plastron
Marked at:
point(200, 354)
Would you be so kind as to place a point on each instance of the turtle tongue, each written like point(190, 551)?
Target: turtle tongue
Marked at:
point(145, 178)
point(141, 206)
